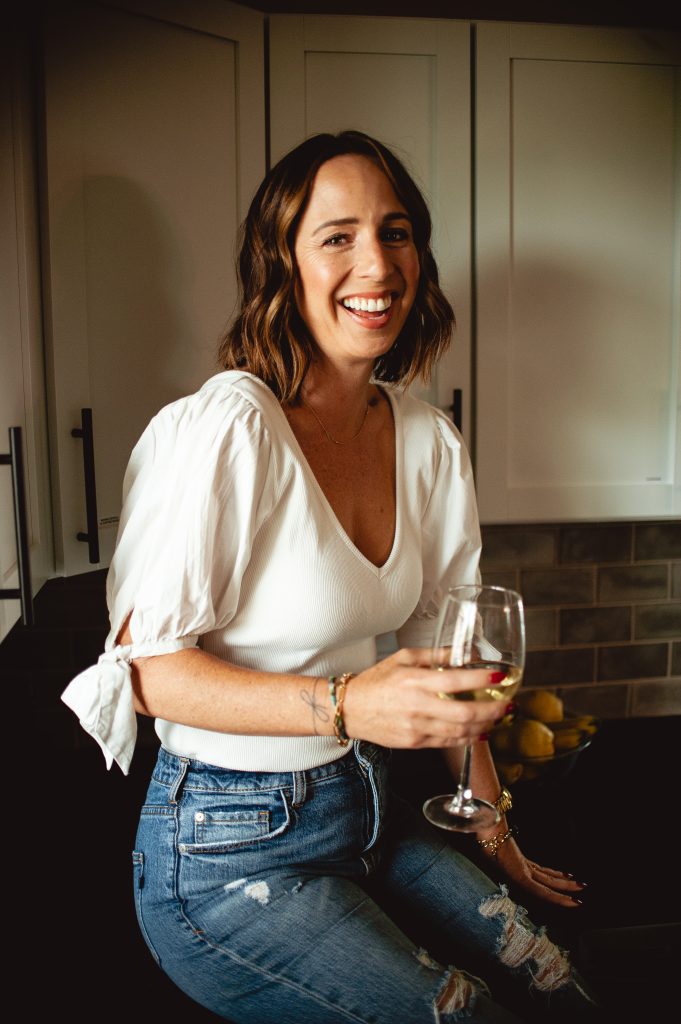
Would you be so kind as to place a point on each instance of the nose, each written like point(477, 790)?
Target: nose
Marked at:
point(374, 260)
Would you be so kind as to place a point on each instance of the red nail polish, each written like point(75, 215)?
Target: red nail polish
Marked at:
point(483, 736)
point(575, 900)
point(496, 677)
point(510, 708)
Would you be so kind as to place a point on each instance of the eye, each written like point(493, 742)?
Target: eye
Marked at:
point(395, 236)
point(334, 241)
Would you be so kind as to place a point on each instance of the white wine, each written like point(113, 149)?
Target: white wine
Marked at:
point(502, 690)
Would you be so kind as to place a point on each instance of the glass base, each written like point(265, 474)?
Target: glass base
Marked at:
point(473, 815)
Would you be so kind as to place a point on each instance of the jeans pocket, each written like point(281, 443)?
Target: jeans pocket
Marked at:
point(226, 836)
point(138, 881)
point(224, 823)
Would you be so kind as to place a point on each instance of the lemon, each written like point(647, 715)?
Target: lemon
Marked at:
point(566, 739)
point(509, 772)
point(501, 740)
point(542, 705)
point(532, 738)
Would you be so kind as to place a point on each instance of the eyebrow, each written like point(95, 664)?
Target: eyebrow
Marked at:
point(397, 215)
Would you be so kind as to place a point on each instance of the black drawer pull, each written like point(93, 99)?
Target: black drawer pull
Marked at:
point(91, 538)
point(23, 592)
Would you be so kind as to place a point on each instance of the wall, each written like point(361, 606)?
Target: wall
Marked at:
point(603, 608)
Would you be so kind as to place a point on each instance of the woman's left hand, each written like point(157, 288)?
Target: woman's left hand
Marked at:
point(537, 881)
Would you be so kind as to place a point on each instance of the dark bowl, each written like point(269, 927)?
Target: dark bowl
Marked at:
point(552, 767)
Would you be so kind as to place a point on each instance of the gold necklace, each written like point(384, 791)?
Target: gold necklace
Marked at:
point(333, 439)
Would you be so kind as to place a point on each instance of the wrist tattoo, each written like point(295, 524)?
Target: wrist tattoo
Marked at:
point(319, 712)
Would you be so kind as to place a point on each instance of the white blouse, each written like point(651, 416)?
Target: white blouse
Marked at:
point(227, 540)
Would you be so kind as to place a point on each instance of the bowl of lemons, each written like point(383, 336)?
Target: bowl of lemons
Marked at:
point(540, 740)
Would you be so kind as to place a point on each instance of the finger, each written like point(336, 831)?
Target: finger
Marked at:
point(555, 879)
point(544, 892)
point(450, 682)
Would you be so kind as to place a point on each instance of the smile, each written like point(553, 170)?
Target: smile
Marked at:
point(364, 305)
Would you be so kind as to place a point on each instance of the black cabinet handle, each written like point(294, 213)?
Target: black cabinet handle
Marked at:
point(457, 408)
point(91, 538)
point(23, 593)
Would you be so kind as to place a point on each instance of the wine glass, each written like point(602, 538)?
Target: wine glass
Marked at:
point(478, 627)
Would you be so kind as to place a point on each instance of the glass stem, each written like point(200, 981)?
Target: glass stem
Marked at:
point(462, 798)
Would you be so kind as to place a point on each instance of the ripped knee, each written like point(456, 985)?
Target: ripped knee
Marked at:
point(548, 965)
point(455, 994)
point(457, 991)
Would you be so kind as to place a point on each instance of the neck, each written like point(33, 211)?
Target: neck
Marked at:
point(339, 401)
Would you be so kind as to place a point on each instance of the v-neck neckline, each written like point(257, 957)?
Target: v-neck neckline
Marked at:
point(378, 570)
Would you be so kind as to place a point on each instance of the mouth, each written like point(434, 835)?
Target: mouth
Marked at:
point(371, 310)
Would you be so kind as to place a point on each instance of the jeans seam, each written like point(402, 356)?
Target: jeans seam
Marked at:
point(276, 978)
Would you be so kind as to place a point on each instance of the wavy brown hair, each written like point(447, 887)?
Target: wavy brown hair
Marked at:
point(269, 337)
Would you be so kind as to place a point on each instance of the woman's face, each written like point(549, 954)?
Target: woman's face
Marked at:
point(358, 268)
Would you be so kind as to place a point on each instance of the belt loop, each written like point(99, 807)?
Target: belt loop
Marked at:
point(174, 792)
point(299, 789)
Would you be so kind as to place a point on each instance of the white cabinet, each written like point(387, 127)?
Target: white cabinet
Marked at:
point(154, 144)
point(22, 391)
point(405, 81)
point(578, 227)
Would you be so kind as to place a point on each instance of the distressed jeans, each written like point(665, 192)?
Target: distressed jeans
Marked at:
point(267, 897)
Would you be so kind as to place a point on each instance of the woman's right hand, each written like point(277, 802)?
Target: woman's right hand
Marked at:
point(395, 703)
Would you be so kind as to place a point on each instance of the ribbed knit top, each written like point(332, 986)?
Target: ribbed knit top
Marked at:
point(227, 540)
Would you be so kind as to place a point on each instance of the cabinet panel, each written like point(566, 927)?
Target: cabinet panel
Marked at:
point(578, 270)
point(152, 151)
point(406, 82)
point(22, 390)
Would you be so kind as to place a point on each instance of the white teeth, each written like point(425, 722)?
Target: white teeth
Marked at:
point(368, 305)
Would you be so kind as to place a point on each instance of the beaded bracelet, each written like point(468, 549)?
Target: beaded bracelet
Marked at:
point(337, 687)
point(492, 845)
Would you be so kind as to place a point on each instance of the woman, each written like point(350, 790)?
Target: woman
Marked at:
point(274, 525)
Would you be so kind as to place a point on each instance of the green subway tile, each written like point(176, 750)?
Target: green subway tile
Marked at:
point(676, 659)
point(594, 625)
point(595, 544)
point(633, 661)
point(517, 545)
point(658, 620)
point(632, 583)
point(554, 668)
point(557, 586)
point(657, 540)
point(649, 699)
point(676, 580)
point(601, 701)
point(540, 627)
point(499, 578)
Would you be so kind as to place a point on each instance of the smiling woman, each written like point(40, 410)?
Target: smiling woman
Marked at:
point(275, 523)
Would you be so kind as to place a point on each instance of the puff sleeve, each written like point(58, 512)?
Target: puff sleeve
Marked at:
point(450, 530)
point(199, 484)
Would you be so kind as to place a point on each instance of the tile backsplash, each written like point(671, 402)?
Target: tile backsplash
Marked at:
point(603, 604)
point(603, 608)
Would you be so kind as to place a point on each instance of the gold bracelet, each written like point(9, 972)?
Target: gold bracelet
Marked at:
point(504, 802)
point(492, 845)
point(337, 687)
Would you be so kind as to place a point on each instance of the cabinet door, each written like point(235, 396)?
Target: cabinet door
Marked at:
point(578, 271)
point(405, 81)
point(154, 144)
point(22, 391)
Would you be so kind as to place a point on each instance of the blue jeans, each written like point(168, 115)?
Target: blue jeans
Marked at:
point(266, 897)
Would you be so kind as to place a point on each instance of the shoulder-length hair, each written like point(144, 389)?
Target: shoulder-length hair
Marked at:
point(269, 337)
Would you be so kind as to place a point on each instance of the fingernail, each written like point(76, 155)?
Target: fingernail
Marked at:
point(496, 677)
point(582, 885)
point(510, 707)
point(566, 874)
point(483, 736)
point(578, 902)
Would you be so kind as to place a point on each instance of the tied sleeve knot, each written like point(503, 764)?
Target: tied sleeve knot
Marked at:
point(102, 697)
